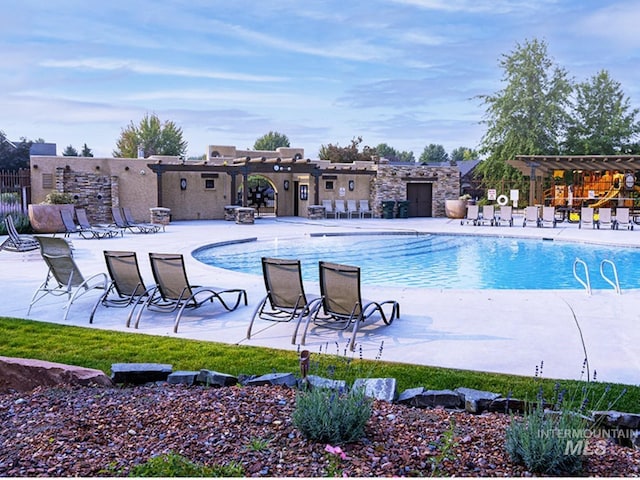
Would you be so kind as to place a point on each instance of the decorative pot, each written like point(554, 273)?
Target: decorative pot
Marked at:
point(46, 218)
point(455, 208)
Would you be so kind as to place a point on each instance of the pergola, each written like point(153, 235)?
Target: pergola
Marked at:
point(534, 166)
point(247, 166)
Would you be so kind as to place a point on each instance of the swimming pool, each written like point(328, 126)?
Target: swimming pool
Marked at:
point(439, 261)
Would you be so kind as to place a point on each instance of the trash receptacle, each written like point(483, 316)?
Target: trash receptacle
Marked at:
point(387, 208)
point(403, 209)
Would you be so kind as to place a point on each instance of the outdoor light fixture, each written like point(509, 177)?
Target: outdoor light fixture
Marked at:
point(286, 184)
point(352, 185)
point(183, 184)
point(142, 172)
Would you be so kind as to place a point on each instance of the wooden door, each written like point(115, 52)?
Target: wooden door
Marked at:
point(419, 196)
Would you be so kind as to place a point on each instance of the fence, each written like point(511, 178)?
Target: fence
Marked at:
point(15, 192)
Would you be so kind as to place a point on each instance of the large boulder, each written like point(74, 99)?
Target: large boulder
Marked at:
point(23, 375)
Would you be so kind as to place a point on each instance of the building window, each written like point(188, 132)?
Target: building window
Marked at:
point(209, 183)
point(47, 180)
point(328, 185)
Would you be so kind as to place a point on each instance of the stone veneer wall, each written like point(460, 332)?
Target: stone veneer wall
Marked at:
point(391, 184)
point(91, 191)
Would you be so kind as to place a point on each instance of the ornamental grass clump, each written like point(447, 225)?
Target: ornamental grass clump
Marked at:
point(332, 416)
point(554, 438)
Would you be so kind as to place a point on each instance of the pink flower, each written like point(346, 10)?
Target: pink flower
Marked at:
point(335, 451)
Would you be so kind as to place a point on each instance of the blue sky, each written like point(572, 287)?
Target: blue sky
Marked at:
point(401, 72)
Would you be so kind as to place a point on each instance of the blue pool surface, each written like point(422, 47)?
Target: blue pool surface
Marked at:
point(440, 261)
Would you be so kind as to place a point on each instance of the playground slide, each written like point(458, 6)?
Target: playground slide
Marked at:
point(612, 193)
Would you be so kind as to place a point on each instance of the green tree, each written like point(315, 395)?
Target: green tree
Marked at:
point(14, 157)
point(338, 154)
point(527, 117)
point(271, 141)
point(390, 153)
point(461, 154)
point(70, 152)
point(86, 151)
point(602, 121)
point(433, 153)
point(153, 137)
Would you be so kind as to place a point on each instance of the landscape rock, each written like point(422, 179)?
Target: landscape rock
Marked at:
point(216, 379)
point(322, 382)
point(285, 379)
point(23, 375)
point(140, 373)
point(435, 398)
point(476, 401)
point(183, 377)
point(378, 388)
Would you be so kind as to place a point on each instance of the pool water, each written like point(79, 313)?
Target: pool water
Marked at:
point(439, 261)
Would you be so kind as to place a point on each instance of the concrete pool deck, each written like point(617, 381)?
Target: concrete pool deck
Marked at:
point(505, 331)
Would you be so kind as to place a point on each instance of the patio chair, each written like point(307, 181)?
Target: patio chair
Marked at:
point(174, 292)
point(505, 215)
point(120, 222)
point(365, 209)
point(341, 305)
point(605, 219)
point(586, 217)
point(623, 218)
point(352, 209)
point(64, 276)
point(144, 227)
point(488, 215)
point(531, 215)
point(126, 287)
point(17, 242)
point(285, 299)
point(548, 217)
point(69, 223)
point(328, 209)
point(473, 215)
point(97, 231)
point(341, 211)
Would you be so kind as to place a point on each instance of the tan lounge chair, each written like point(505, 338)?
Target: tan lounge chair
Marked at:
point(548, 217)
point(328, 209)
point(473, 215)
point(505, 216)
point(605, 218)
point(531, 215)
point(623, 218)
point(488, 215)
point(341, 211)
point(144, 227)
point(365, 209)
point(341, 305)
point(64, 276)
point(174, 292)
point(126, 288)
point(352, 209)
point(285, 299)
point(586, 217)
point(17, 242)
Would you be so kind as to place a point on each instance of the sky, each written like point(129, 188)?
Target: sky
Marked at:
point(407, 73)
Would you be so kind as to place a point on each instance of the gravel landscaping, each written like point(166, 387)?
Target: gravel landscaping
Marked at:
point(87, 431)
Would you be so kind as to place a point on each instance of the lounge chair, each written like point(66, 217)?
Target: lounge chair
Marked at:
point(126, 287)
point(341, 210)
point(505, 215)
point(97, 231)
point(352, 209)
point(548, 217)
point(341, 305)
point(285, 299)
point(144, 227)
point(531, 215)
point(69, 223)
point(586, 217)
point(174, 292)
point(623, 218)
point(64, 276)
point(122, 224)
point(328, 209)
point(17, 242)
point(488, 215)
point(473, 215)
point(605, 219)
point(364, 209)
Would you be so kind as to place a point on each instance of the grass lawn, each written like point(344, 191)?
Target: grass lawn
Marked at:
point(101, 348)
